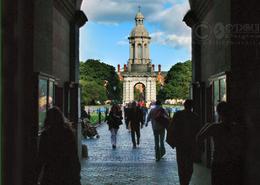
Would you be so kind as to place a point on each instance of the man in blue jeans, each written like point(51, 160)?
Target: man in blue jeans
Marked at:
point(158, 130)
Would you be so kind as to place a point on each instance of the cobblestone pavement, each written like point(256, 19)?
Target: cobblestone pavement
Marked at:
point(125, 165)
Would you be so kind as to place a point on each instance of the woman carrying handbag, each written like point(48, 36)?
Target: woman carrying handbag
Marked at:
point(114, 121)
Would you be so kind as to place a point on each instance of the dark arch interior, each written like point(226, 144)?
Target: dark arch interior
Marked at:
point(139, 92)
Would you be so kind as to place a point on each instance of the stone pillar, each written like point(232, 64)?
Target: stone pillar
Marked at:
point(135, 56)
point(118, 68)
point(79, 20)
point(143, 56)
point(146, 91)
point(153, 89)
point(124, 92)
point(130, 51)
point(131, 91)
point(133, 50)
point(148, 51)
point(127, 90)
point(149, 91)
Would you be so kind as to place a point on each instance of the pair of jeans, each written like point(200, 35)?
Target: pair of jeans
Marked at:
point(159, 142)
point(113, 135)
point(137, 133)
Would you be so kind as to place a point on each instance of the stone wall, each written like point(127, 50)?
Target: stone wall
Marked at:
point(43, 36)
point(215, 44)
point(61, 47)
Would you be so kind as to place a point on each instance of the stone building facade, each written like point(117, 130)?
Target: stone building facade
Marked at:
point(226, 67)
point(40, 68)
point(139, 69)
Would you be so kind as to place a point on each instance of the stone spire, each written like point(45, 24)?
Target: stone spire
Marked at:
point(139, 18)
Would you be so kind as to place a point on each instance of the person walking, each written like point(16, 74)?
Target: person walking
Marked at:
point(228, 147)
point(58, 162)
point(185, 125)
point(126, 114)
point(114, 121)
point(158, 129)
point(144, 110)
point(136, 121)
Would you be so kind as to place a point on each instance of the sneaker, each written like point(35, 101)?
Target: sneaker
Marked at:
point(157, 155)
point(114, 146)
point(134, 146)
point(162, 152)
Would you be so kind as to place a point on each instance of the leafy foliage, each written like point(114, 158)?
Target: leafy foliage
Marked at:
point(92, 92)
point(177, 82)
point(99, 82)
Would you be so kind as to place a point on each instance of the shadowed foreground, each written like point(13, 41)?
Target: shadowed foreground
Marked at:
point(125, 165)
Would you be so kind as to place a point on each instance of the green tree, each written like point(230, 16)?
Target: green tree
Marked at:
point(177, 82)
point(99, 74)
point(92, 92)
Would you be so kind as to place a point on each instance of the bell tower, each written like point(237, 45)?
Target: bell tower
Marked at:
point(139, 71)
point(139, 41)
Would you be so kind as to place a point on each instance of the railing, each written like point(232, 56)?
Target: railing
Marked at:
point(98, 114)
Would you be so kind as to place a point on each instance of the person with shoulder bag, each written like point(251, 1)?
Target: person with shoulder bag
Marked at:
point(114, 121)
point(158, 118)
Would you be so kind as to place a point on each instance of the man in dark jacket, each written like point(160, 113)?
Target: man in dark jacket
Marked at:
point(135, 118)
point(126, 114)
point(186, 125)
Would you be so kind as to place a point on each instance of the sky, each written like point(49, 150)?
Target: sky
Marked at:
point(104, 36)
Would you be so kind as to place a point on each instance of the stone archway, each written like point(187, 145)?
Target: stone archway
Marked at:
point(131, 80)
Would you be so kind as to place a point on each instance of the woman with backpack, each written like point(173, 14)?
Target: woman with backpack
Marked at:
point(114, 121)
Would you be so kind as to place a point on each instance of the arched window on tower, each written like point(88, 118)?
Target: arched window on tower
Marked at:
point(140, 51)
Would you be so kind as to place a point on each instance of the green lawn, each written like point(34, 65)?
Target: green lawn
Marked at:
point(94, 115)
point(94, 118)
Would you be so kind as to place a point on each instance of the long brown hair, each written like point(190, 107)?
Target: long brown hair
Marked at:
point(54, 118)
point(115, 108)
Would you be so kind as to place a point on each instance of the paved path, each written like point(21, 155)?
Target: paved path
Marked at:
point(125, 165)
